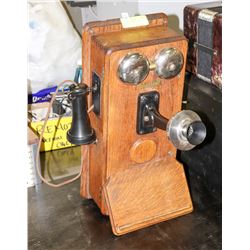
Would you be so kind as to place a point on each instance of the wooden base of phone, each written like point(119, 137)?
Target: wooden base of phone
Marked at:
point(146, 195)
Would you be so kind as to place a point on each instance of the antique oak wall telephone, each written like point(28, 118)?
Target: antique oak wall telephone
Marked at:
point(134, 78)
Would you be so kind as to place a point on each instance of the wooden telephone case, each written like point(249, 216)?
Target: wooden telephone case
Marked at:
point(134, 179)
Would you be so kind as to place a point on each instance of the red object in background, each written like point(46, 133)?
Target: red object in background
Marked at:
point(203, 29)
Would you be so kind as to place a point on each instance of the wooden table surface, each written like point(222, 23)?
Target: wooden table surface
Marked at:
point(59, 219)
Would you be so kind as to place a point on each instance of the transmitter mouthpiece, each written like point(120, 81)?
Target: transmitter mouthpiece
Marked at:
point(186, 130)
point(196, 132)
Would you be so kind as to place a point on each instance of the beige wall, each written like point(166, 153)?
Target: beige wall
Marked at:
point(113, 9)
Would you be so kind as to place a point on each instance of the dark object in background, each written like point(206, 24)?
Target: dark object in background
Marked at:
point(57, 107)
point(205, 161)
point(203, 29)
point(82, 4)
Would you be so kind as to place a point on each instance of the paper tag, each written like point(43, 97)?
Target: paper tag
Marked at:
point(135, 21)
point(124, 15)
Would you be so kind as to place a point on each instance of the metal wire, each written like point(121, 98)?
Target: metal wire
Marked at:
point(41, 137)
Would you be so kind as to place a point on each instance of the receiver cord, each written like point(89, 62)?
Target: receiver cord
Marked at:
point(41, 137)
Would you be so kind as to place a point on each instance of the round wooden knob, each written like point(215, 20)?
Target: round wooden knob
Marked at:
point(143, 150)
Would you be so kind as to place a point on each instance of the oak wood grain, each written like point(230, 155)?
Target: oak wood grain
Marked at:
point(89, 30)
point(143, 150)
point(147, 194)
point(123, 161)
point(122, 99)
point(93, 58)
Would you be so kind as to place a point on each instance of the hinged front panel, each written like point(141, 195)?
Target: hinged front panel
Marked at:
point(123, 101)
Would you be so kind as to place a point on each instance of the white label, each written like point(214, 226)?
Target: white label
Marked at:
point(135, 21)
point(124, 15)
